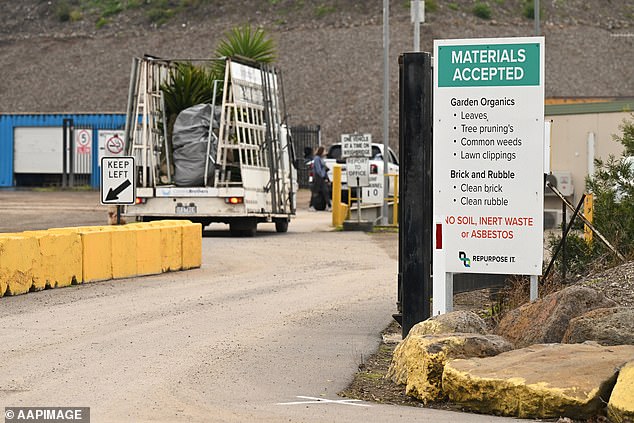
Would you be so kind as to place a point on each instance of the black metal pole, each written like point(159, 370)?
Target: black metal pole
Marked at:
point(565, 230)
point(415, 139)
point(71, 155)
point(564, 233)
point(65, 128)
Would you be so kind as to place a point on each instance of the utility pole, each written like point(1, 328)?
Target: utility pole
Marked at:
point(416, 15)
point(386, 105)
point(537, 16)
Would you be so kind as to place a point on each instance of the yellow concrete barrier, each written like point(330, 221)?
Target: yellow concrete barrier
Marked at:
point(148, 248)
point(96, 254)
point(60, 261)
point(171, 243)
point(192, 245)
point(18, 261)
point(35, 260)
point(124, 252)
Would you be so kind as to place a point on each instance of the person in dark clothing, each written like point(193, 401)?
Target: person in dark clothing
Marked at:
point(320, 191)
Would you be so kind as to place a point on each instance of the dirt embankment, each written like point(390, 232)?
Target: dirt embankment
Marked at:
point(331, 52)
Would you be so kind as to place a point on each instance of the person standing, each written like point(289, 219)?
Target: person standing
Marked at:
point(320, 196)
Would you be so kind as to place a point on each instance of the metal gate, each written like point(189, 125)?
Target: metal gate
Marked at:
point(306, 139)
point(77, 154)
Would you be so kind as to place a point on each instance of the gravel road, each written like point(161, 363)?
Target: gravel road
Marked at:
point(269, 329)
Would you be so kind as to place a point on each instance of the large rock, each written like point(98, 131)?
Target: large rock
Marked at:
point(607, 326)
point(454, 322)
point(546, 320)
point(418, 361)
point(621, 405)
point(541, 381)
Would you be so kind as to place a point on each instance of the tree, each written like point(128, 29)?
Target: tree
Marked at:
point(612, 186)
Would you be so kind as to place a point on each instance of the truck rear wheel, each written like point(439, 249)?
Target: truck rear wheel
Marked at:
point(281, 225)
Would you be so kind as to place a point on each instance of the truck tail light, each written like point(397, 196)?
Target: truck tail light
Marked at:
point(140, 200)
point(234, 200)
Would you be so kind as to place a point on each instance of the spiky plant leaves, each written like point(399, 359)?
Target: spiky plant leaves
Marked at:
point(188, 85)
point(246, 42)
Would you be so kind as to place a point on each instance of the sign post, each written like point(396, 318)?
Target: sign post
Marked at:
point(357, 149)
point(488, 158)
point(118, 182)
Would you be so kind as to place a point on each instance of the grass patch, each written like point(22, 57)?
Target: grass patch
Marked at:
point(431, 5)
point(482, 10)
point(453, 6)
point(528, 10)
point(323, 10)
point(101, 22)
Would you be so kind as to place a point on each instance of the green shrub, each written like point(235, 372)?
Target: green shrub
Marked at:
point(482, 10)
point(431, 5)
point(111, 8)
point(159, 16)
point(323, 10)
point(453, 6)
point(63, 11)
point(612, 186)
point(101, 22)
point(75, 15)
point(528, 9)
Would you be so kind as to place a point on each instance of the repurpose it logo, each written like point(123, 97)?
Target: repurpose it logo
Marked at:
point(464, 259)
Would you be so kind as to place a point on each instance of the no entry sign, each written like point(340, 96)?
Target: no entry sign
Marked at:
point(488, 154)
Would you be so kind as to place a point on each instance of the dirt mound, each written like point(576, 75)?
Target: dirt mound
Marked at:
point(330, 51)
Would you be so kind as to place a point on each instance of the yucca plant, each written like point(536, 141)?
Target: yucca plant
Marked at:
point(244, 41)
point(247, 42)
point(188, 85)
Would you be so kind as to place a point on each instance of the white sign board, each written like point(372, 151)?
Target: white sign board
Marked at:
point(358, 170)
point(488, 154)
point(356, 145)
point(373, 193)
point(83, 141)
point(118, 184)
point(421, 11)
point(110, 143)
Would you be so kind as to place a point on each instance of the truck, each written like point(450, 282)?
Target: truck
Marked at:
point(229, 160)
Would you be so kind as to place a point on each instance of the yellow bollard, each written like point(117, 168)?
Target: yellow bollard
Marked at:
point(395, 205)
point(588, 208)
point(339, 211)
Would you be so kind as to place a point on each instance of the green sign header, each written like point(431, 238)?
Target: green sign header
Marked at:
point(492, 65)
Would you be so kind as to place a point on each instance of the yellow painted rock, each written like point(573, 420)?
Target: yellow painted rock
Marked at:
point(542, 381)
point(418, 361)
point(621, 405)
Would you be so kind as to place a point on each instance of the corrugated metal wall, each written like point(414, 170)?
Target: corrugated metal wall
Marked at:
point(9, 122)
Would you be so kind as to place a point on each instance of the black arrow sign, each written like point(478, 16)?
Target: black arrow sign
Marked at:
point(113, 194)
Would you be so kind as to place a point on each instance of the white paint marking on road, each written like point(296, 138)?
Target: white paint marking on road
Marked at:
point(313, 400)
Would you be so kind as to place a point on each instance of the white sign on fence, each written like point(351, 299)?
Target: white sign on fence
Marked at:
point(356, 145)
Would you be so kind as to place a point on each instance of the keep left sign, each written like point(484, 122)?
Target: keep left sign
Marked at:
point(118, 184)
